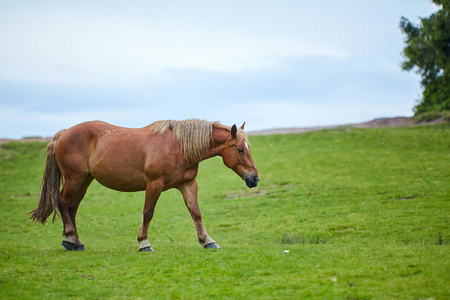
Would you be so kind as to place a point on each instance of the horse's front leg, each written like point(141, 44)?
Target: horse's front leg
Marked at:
point(152, 193)
point(189, 192)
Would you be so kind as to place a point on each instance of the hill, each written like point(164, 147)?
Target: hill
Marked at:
point(376, 123)
point(347, 213)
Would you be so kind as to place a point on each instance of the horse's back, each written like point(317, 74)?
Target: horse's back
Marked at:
point(88, 135)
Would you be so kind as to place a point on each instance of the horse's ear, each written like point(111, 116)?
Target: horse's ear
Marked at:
point(242, 127)
point(233, 131)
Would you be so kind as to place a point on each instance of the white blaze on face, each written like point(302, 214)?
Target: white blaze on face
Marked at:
point(246, 146)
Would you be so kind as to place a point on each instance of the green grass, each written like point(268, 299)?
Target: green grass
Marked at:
point(338, 214)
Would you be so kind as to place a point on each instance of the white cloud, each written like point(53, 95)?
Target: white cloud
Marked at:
point(66, 47)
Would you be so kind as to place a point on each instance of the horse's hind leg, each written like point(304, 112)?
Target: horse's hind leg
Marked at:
point(69, 200)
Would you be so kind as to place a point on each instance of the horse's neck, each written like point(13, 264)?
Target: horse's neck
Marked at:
point(219, 139)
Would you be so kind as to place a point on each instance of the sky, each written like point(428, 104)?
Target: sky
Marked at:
point(271, 64)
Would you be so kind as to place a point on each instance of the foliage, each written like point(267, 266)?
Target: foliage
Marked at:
point(428, 50)
point(339, 214)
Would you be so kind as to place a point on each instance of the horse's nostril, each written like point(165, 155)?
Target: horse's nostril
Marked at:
point(251, 180)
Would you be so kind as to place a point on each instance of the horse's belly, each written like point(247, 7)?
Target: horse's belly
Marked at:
point(121, 182)
point(119, 173)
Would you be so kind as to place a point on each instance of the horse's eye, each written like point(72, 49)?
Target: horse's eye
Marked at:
point(240, 150)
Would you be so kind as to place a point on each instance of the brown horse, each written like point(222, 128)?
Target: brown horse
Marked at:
point(161, 156)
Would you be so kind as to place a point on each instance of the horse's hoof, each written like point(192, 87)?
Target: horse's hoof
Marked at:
point(79, 247)
point(72, 247)
point(146, 249)
point(212, 246)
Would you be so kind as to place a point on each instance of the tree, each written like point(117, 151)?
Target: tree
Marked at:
point(428, 50)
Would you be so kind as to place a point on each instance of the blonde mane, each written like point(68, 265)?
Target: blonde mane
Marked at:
point(194, 136)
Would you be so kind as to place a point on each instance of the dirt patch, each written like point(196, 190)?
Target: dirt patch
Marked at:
point(381, 122)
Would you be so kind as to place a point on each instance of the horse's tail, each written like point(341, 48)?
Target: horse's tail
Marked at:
point(51, 182)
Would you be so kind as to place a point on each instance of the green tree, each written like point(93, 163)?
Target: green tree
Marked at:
point(427, 51)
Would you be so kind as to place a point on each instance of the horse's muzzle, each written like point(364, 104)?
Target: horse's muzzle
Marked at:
point(251, 180)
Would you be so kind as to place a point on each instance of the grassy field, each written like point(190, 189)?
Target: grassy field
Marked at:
point(339, 214)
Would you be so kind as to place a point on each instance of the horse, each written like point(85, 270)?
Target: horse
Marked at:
point(161, 156)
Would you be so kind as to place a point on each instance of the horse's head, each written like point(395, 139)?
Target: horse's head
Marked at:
point(236, 156)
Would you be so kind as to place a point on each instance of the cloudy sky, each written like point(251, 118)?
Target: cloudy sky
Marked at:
point(272, 64)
